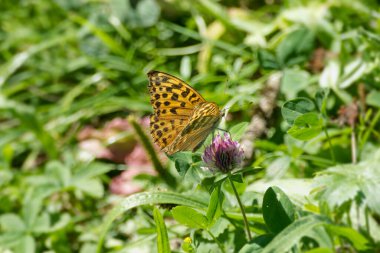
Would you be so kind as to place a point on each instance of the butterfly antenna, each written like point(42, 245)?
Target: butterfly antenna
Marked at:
point(223, 130)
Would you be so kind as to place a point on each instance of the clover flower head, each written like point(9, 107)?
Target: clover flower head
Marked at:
point(223, 154)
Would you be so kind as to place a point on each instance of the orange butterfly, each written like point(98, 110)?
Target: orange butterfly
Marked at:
point(182, 118)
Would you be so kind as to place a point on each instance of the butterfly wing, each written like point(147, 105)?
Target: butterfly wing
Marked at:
point(203, 120)
point(164, 131)
point(173, 102)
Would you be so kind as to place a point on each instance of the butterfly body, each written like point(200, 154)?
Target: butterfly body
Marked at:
point(182, 118)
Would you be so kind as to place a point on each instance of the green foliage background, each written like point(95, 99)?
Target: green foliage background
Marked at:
point(65, 65)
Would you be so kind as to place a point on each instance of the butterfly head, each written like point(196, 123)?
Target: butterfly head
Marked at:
point(223, 112)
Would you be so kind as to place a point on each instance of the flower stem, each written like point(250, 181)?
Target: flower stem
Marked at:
point(221, 247)
point(330, 145)
point(241, 208)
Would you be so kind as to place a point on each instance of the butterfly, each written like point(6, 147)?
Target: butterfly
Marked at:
point(182, 118)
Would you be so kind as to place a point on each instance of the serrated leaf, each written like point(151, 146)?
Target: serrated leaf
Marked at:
point(343, 183)
point(189, 217)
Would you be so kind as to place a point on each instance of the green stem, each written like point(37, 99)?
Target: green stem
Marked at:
point(330, 145)
point(366, 219)
point(353, 145)
point(369, 129)
point(221, 247)
point(165, 174)
point(241, 208)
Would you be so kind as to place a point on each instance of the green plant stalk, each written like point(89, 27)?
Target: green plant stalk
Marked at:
point(366, 219)
point(353, 145)
point(370, 129)
point(330, 145)
point(221, 246)
point(241, 208)
point(165, 174)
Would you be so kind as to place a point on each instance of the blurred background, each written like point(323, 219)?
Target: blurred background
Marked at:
point(73, 77)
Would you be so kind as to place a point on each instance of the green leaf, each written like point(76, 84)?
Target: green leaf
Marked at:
point(189, 217)
point(182, 162)
point(148, 12)
point(146, 198)
point(238, 130)
point(18, 60)
point(26, 244)
point(293, 108)
point(267, 60)
point(162, 234)
point(220, 226)
point(278, 167)
point(294, 81)
point(239, 183)
point(92, 169)
point(278, 210)
point(352, 72)
point(373, 98)
point(31, 121)
point(359, 241)
point(237, 178)
point(321, 237)
point(92, 187)
point(10, 239)
point(321, 100)
point(64, 220)
point(12, 222)
point(340, 184)
point(296, 47)
point(320, 250)
point(293, 233)
point(214, 209)
point(306, 126)
point(113, 44)
point(61, 174)
point(42, 223)
point(257, 244)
